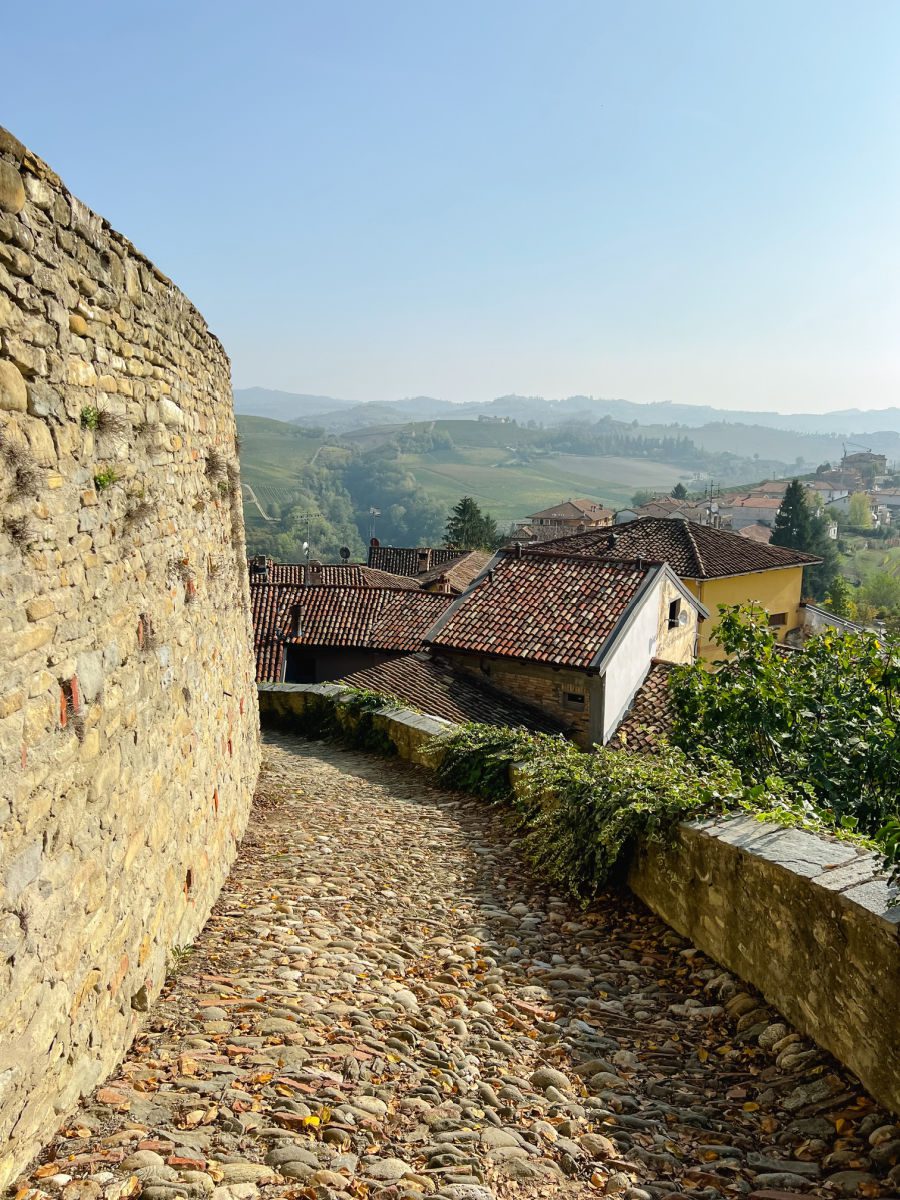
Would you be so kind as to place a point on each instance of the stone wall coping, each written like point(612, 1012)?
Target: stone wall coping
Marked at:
point(841, 867)
point(407, 717)
point(35, 165)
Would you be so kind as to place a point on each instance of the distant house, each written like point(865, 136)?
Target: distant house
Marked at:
point(868, 465)
point(880, 511)
point(889, 497)
point(716, 565)
point(570, 634)
point(751, 509)
point(314, 633)
point(431, 568)
point(701, 512)
point(572, 514)
point(758, 532)
point(825, 491)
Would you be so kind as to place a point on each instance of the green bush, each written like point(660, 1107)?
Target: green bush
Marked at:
point(581, 813)
point(825, 719)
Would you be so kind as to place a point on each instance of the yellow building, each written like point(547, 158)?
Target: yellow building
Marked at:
point(717, 566)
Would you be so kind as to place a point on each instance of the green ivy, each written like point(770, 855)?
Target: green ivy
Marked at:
point(582, 813)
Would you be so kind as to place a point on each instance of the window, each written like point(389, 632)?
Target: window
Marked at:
point(573, 700)
point(674, 614)
point(778, 618)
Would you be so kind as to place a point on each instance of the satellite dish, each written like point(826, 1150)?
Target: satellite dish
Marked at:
point(345, 552)
point(374, 542)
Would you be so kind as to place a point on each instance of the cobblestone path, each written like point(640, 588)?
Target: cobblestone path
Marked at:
point(385, 1003)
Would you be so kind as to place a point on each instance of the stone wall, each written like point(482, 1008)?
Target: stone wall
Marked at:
point(128, 713)
point(802, 917)
point(542, 687)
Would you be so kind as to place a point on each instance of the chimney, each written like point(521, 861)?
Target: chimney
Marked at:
point(518, 549)
point(259, 568)
point(424, 559)
point(314, 572)
point(443, 585)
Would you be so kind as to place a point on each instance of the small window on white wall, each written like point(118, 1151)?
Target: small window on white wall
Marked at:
point(675, 614)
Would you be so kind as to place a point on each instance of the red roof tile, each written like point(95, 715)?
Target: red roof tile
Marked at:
point(650, 714)
point(407, 560)
point(363, 617)
point(550, 608)
point(459, 572)
point(336, 574)
point(435, 689)
point(692, 551)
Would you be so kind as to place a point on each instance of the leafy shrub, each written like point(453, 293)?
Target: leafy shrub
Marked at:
point(90, 417)
point(825, 719)
point(581, 813)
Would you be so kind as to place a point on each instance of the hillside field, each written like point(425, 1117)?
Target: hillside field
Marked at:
point(484, 463)
point(511, 492)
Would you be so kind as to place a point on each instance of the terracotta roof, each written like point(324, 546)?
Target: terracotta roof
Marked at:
point(375, 618)
point(754, 500)
point(434, 689)
point(650, 714)
point(333, 574)
point(692, 551)
point(459, 572)
point(407, 619)
point(557, 609)
point(573, 510)
point(405, 560)
point(757, 532)
point(271, 606)
point(331, 615)
point(669, 507)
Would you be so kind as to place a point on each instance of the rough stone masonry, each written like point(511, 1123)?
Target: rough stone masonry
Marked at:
point(128, 718)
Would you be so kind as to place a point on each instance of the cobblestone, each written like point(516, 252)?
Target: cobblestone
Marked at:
point(386, 1003)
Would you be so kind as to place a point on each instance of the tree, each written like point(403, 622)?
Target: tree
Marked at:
point(679, 492)
point(840, 598)
point(793, 521)
point(640, 497)
point(882, 591)
point(798, 528)
point(468, 528)
point(859, 511)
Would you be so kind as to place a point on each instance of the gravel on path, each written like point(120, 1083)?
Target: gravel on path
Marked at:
point(387, 1003)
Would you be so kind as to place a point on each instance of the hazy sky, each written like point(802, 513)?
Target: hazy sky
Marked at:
point(685, 201)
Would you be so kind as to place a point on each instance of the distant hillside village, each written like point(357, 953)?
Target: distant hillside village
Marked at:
point(574, 622)
point(569, 633)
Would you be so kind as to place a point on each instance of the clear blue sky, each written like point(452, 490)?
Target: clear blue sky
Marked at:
point(695, 201)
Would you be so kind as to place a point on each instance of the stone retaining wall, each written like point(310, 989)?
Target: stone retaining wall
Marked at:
point(804, 918)
point(128, 714)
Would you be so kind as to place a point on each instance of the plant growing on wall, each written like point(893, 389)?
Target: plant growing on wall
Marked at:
point(26, 475)
point(216, 468)
point(19, 530)
point(105, 478)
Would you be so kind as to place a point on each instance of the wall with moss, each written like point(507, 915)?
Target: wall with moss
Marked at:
point(128, 712)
